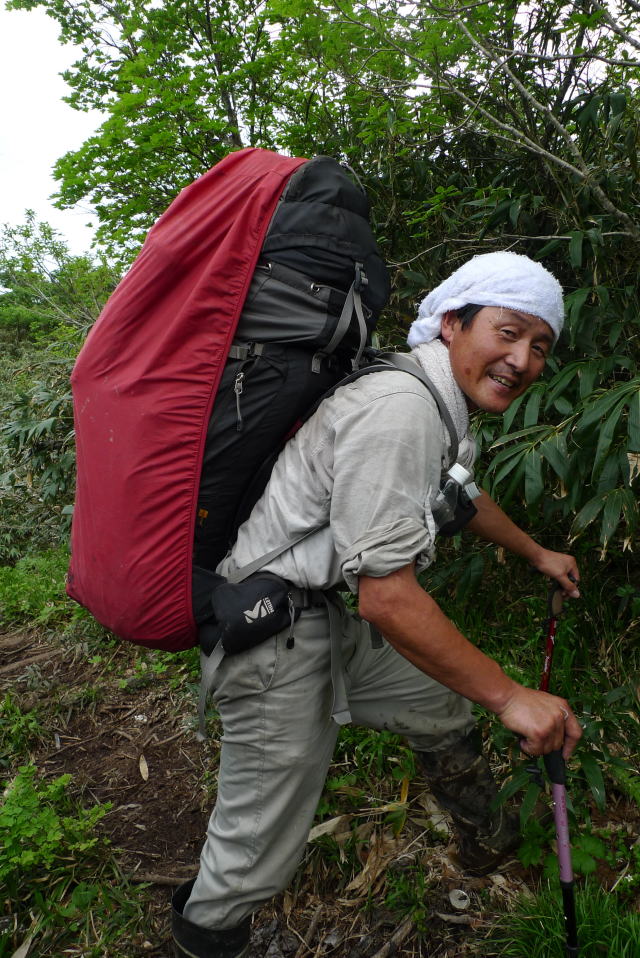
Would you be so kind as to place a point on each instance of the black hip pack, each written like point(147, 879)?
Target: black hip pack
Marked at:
point(239, 615)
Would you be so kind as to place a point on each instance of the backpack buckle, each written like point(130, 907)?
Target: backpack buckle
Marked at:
point(361, 278)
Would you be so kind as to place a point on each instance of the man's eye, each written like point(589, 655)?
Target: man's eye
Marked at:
point(511, 333)
point(541, 351)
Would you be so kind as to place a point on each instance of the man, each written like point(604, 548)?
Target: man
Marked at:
point(361, 478)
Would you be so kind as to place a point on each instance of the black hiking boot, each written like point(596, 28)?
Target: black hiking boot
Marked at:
point(462, 782)
point(194, 941)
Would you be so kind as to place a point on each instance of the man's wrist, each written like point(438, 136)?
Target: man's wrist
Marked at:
point(500, 693)
point(533, 552)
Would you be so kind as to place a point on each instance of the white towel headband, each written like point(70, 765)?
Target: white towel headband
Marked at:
point(492, 279)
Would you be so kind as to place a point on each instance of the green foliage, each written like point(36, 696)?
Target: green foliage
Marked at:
point(595, 667)
point(32, 591)
point(406, 895)
point(37, 460)
point(49, 299)
point(54, 872)
point(18, 730)
point(46, 293)
point(627, 781)
point(536, 927)
point(365, 757)
point(35, 834)
point(375, 754)
point(501, 126)
point(587, 849)
point(39, 439)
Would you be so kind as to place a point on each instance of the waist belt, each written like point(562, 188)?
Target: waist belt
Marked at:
point(306, 598)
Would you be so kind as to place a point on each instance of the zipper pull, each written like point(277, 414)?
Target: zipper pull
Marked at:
point(292, 614)
point(238, 386)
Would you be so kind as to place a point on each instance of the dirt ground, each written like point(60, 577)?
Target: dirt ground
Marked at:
point(128, 738)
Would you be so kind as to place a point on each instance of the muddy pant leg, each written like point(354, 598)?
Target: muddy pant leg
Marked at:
point(278, 741)
point(387, 691)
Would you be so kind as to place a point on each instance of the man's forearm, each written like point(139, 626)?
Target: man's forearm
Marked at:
point(493, 524)
point(414, 623)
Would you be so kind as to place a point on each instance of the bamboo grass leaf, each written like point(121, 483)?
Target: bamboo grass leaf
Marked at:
point(598, 409)
point(611, 516)
point(594, 778)
point(529, 433)
point(563, 406)
point(513, 485)
point(605, 437)
point(520, 779)
point(609, 476)
point(512, 411)
point(633, 424)
point(587, 514)
point(533, 482)
point(575, 249)
point(560, 382)
point(505, 455)
point(507, 469)
point(554, 450)
point(529, 803)
point(630, 509)
point(471, 577)
point(588, 375)
point(532, 409)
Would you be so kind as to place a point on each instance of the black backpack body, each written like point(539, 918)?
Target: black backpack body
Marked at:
point(314, 299)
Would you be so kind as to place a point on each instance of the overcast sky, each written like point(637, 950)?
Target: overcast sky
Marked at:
point(36, 127)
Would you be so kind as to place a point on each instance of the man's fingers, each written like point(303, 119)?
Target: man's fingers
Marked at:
point(553, 741)
point(557, 730)
point(573, 734)
point(570, 592)
point(569, 583)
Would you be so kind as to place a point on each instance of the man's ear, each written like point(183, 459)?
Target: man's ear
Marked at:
point(449, 320)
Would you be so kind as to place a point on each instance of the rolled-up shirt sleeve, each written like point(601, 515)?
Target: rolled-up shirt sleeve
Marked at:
point(387, 464)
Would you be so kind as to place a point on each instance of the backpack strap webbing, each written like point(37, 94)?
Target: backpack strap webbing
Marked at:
point(352, 304)
point(407, 365)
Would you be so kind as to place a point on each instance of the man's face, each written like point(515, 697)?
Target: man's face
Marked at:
point(498, 356)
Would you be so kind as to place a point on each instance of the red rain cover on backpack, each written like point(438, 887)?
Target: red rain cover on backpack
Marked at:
point(143, 389)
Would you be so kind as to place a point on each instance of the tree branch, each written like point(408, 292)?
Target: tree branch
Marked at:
point(606, 16)
point(581, 169)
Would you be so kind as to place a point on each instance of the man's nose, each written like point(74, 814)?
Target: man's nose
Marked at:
point(519, 354)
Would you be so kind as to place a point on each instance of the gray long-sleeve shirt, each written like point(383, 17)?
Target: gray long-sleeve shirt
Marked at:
point(363, 472)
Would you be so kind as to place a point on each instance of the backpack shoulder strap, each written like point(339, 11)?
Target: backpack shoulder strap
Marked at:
point(382, 362)
point(243, 573)
point(402, 362)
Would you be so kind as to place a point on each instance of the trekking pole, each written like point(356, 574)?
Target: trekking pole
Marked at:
point(555, 766)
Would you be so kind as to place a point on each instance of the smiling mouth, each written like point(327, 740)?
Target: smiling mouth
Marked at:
point(504, 381)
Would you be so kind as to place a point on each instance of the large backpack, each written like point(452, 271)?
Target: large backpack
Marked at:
point(258, 289)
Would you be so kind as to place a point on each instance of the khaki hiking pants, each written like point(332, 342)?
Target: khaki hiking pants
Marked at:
point(275, 704)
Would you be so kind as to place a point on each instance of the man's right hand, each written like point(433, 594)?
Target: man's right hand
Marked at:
point(545, 723)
